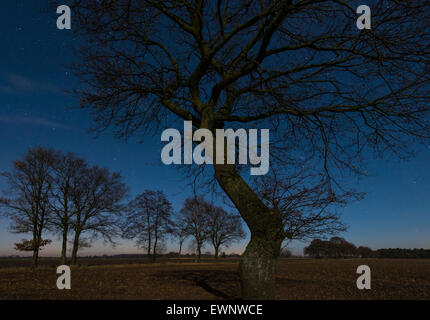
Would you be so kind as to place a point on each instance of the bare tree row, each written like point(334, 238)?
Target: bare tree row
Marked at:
point(150, 221)
point(52, 192)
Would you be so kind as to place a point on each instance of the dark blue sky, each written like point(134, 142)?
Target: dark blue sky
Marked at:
point(35, 110)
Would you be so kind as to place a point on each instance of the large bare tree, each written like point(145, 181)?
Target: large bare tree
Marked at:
point(27, 199)
point(328, 91)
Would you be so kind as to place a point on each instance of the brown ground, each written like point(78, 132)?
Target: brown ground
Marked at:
point(296, 279)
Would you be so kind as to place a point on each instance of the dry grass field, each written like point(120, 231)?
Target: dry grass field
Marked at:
point(296, 279)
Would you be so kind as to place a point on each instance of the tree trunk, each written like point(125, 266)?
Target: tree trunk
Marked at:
point(258, 263)
point(257, 266)
point(64, 246)
point(75, 248)
point(36, 245)
point(35, 258)
point(154, 250)
point(199, 252)
point(148, 252)
point(148, 222)
point(257, 269)
point(180, 248)
point(216, 251)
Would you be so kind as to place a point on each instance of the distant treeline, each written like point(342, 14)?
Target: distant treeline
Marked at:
point(404, 253)
point(340, 248)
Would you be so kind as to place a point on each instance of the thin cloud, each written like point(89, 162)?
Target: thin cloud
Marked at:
point(32, 120)
point(13, 83)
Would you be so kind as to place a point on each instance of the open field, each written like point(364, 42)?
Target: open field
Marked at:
point(296, 279)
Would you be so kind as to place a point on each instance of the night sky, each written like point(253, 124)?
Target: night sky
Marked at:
point(36, 109)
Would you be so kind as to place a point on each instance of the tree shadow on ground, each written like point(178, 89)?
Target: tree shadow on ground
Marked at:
point(220, 283)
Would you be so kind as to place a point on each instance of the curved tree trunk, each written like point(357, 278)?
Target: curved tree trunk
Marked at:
point(258, 263)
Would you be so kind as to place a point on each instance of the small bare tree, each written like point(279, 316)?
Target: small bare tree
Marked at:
point(66, 176)
point(196, 212)
point(307, 205)
point(96, 196)
point(148, 221)
point(224, 228)
point(179, 231)
point(27, 199)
